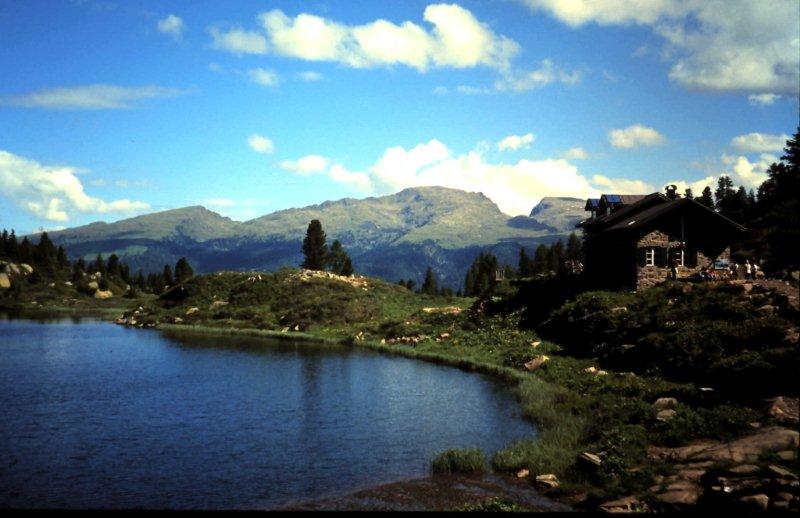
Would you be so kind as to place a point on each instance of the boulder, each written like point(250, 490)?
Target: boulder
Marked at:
point(680, 494)
point(93, 286)
point(192, 310)
point(5, 281)
point(523, 473)
point(68, 283)
point(784, 410)
point(758, 502)
point(767, 310)
point(744, 469)
point(626, 504)
point(750, 447)
point(103, 294)
point(547, 481)
point(25, 269)
point(781, 472)
point(666, 415)
point(536, 344)
point(665, 402)
point(537, 362)
point(217, 304)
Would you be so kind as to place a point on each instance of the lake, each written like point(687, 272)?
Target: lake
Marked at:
point(95, 415)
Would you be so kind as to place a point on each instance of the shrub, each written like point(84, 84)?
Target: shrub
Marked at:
point(464, 461)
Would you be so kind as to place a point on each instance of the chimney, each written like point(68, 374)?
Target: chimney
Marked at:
point(672, 192)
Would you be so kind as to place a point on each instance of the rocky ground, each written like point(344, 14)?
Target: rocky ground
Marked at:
point(437, 493)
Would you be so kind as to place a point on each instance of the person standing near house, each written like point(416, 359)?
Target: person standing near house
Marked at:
point(748, 270)
point(673, 268)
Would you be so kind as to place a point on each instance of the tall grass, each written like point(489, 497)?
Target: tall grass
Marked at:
point(464, 461)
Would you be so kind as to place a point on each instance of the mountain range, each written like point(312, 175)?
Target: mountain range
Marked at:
point(394, 237)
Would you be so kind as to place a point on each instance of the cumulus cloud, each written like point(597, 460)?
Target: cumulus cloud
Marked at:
point(260, 144)
point(763, 99)
point(306, 165)
point(576, 153)
point(547, 73)
point(750, 174)
point(759, 142)
point(53, 193)
point(514, 187)
point(515, 142)
point(238, 41)
point(172, 26)
point(263, 76)
point(454, 38)
point(90, 97)
point(635, 136)
point(713, 45)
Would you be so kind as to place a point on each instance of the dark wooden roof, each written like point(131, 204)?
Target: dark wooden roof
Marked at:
point(637, 219)
point(601, 222)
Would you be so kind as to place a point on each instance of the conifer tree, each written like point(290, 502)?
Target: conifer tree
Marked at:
point(183, 271)
point(169, 280)
point(706, 198)
point(314, 248)
point(574, 247)
point(347, 267)
point(61, 258)
point(429, 285)
point(112, 267)
point(338, 261)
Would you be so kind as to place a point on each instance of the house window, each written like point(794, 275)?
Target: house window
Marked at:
point(650, 257)
point(679, 256)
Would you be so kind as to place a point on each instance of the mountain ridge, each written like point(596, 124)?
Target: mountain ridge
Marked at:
point(393, 236)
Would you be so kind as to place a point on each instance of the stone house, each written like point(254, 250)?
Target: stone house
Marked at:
point(631, 241)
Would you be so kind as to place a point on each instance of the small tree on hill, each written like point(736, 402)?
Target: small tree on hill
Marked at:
point(315, 250)
point(430, 285)
point(183, 270)
point(338, 261)
point(706, 198)
point(169, 280)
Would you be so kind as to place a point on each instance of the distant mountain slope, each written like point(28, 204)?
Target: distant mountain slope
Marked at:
point(559, 214)
point(395, 236)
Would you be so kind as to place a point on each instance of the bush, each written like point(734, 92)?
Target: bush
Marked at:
point(465, 461)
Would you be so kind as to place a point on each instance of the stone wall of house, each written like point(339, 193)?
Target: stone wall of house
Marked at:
point(647, 276)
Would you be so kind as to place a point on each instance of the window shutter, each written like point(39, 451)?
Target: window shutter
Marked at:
point(641, 256)
point(661, 256)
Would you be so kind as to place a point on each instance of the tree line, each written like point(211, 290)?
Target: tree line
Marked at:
point(770, 213)
point(51, 263)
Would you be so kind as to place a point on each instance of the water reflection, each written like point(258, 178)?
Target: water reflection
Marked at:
point(96, 415)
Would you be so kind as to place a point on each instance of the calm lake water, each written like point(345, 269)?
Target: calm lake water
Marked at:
point(101, 416)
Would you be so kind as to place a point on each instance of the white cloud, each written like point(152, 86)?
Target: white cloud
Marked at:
point(455, 39)
point(763, 99)
point(172, 25)
point(514, 187)
point(547, 73)
point(759, 142)
point(635, 136)
point(214, 67)
point(576, 153)
point(260, 144)
point(310, 76)
point(357, 180)
point(53, 192)
point(238, 41)
point(750, 174)
point(714, 45)
point(696, 186)
point(91, 97)
point(263, 77)
point(515, 142)
point(306, 165)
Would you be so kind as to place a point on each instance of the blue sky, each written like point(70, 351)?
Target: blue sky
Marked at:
point(112, 108)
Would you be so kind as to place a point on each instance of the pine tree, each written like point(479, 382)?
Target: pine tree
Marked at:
point(61, 258)
point(169, 280)
point(112, 267)
point(525, 263)
point(430, 284)
point(183, 271)
point(337, 259)
point(12, 247)
point(314, 249)
point(540, 259)
point(706, 198)
point(347, 267)
point(688, 193)
point(574, 247)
